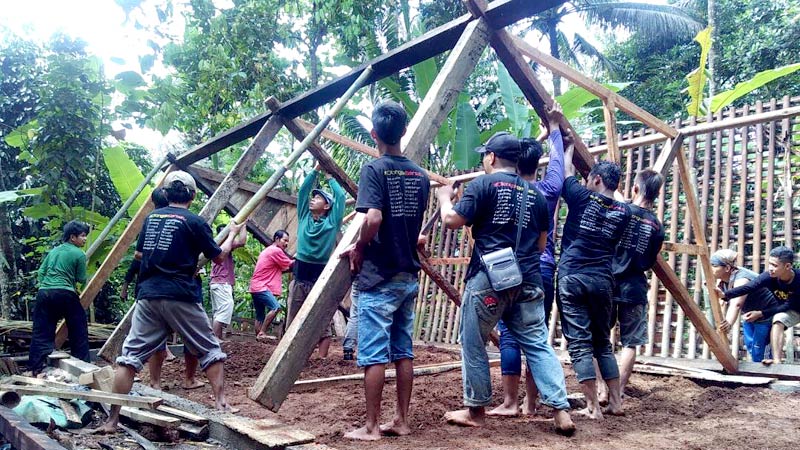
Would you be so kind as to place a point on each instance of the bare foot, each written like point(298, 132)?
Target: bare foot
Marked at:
point(529, 408)
point(156, 386)
point(594, 414)
point(361, 434)
point(613, 411)
point(194, 384)
point(261, 337)
point(106, 428)
point(395, 428)
point(767, 361)
point(464, 418)
point(504, 411)
point(228, 408)
point(564, 424)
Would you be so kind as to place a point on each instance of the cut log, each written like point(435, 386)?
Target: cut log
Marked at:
point(103, 379)
point(9, 399)
point(91, 396)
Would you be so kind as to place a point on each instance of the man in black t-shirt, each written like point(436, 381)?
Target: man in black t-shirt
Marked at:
point(169, 245)
point(492, 205)
point(593, 228)
point(393, 193)
point(636, 253)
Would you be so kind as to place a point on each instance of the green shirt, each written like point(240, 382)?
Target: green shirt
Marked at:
point(62, 268)
point(316, 239)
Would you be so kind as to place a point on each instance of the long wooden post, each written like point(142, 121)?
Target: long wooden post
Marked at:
point(286, 362)
point(112, 260)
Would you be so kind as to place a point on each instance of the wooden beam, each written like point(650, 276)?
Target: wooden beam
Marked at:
point(149, 417)
point(222, 195)
point(447, 261)
point(289, 357)
point(22, 435)
point(668, 153)
point(362, 148)
point(448, 85)
point(91, 396)
point(680, 247)
point(560, 68)
point(319, 153)
point(610, 118)
point(71, 414)
point(83, 371)
point(430, 44)
point(183, 415)
point(113, 258)
point(673, 284)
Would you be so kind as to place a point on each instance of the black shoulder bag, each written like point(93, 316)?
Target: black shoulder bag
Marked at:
point(501, 266)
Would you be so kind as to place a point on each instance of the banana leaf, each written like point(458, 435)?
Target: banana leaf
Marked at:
point(697, 79)
point(126, 176)
point(725, 98)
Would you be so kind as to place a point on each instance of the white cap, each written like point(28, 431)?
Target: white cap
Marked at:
point(181, 176)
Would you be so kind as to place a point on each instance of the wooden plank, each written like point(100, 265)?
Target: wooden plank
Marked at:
point(441, 39)
point(667, 156)
point(271, 433)
point(447, 86)
point(113, 346)
point(103, 379)
point(319, 153)
point(297, 344)
point(779, 371)
point(91, 396)
point(22, 435)
point(118, 251)
point(71, 414)
point(194, 432)
point(243, 166)
point(40, 382)
point(81, 370)
point(682, 247)
point(610, 118)
point(695, 315)
point(150, 417)
point(704, 375)
point(183, 415)
point(758, 191)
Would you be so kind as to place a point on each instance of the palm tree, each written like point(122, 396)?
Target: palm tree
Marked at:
point(659, 22)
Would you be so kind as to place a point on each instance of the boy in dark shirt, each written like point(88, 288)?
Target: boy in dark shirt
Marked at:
point(593, 228)
point(784, 282)
point(393, 193)
point(636, 253)
point(169, 245)
point(492, 205)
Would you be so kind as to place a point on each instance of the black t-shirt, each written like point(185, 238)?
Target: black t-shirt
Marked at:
point(593, 228)
point(760, 299)
point(636, 253)
point(787, 294)
point(171, 242)
point(399, 188)
point(491, 206)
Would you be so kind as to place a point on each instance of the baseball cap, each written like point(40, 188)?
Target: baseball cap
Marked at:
point(181, 176)
point(503, 144)
point(328, 198)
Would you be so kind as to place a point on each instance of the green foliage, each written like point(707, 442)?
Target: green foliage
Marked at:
point(125, 176)
point(697, 79)
point(467, 136)
point(510, 93)
point(724, 99)
point(576, 98)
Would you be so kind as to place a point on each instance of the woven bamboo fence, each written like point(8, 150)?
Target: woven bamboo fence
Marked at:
point(744, 179)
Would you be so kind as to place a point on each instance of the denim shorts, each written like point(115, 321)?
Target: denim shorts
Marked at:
point(632, 323)
point(386, 320)
point(263, 302)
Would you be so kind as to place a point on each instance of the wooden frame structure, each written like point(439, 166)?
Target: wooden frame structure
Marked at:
point(466, 38)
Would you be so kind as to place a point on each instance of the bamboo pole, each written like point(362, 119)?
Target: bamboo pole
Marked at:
point(758, 192)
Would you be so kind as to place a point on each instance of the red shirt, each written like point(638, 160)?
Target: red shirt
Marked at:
point(272, 262)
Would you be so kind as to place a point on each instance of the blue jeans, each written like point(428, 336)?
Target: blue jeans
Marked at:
point(584, 302)
point(263, 302)
point(386, 320)
point(510, 354)
point(351, 332)
point(756, 338)
point(522, 311)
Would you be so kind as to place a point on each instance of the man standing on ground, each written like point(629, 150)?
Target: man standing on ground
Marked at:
point(319, 217)
point(266, 285)
point(492, 205)
point(169, 245)
point(221, 286)
point(636, 253)
point(595, 223)
point(784, 281)
point(393, 193)
point(61, 270)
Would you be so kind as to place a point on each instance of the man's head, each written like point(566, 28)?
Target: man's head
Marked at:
point(648, 185)
point(75, 233)
point(389, 121)
point(723, 262)
point(281, 239)
point(180, 187)
point(781, 260)
point(320, 203)
point(604, 175)
point(159, 197)
point(529, 158)
point(501, 151)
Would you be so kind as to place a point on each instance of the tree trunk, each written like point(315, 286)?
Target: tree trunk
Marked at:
point(552, 36)
point(8, 272)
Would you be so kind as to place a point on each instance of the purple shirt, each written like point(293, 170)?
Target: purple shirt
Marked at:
point(223, 273)
point(550, 186)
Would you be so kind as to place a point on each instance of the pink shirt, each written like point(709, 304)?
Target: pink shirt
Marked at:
point(269, 270)
point(223, 273)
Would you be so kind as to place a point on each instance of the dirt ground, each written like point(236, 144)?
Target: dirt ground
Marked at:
point(661, 412)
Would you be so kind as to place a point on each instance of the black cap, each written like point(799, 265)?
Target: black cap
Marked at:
point(503, 144)
point(328, 198)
